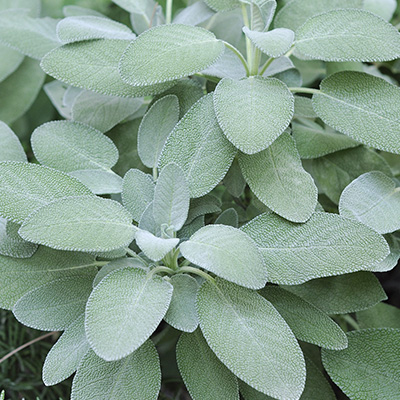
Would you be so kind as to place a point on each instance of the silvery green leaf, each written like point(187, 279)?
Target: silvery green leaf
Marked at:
point(222, 5)
point(93, 65)
point(154, 247)
point(55, 305)
point(189, 229)
point(71, 146)
point(137, 377)
point(65, 356)
point(342, 294)
point(31, 6)
point(82, 223)
point(99, 181)
point(369, 368)
point(261, 13)
point(297, 12)
point(133, 6)
point(137, 192)
point(194, 14)
point(70, 95)
point(168, 52)
point(348, 102)
point(254, 342)
point(77, 29)
point(132, 303)
point(208, 204)
point(11, 244)
point(26, 187)
point(279, 65)
point(278, 179)
point(76, 11)
point(348, 35)
point(55, 91)
point(263, 106)
point(148, 14)
point(393, 258)
point(155, 127)
point(11, 148)
point(19, 276)
point(193, 144)
point(19, 90)
point(11, 60)
point(374, 200)
point(33, 37)
point(227, 252)
point(101, 111)
point(171, 197)
point(326, 245)
point(382, 315)
point(313, 140)
point(205, 377)
point(307, 322)
point(182, 312)
point(383, 8)
point(303, 108)
point(274, 43)
point(234, 181)
point(228, 217)
point(147, 221)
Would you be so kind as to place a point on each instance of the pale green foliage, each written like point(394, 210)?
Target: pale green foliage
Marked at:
point(369, 367)
point(303, 108)
point(229, 253)
point(194, 14)
point(213, 382)
point(123, 311)
point(222, 5)
point(383, 315)
point(383, 8)
point(32, 6)
point(278, 179)
point(99, 181)
point(154, 247)
point(76, 11)
point(228, 217)
point(11, 148)
point(136, 377)
point(11, 59)
point(263, 107)
point(261, 350)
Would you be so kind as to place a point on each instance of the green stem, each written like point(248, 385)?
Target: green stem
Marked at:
point(155, 173)
point(168, 18)
point(131, 253)
point(351, 321)
point(159, 269)
point(239, 55)
point(196, 271)
point(266, 65)
point(248, 42)
point(208, 77)
point(303, 90)
point(255, 64)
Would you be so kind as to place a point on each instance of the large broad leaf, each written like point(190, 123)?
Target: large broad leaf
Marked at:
point(32, 6)
point(369, 368)
point(123, 311)
point(326, 245)
point(250, 337)
point(154, 247)
point(65, 356)
point(262, 110)
point(71, 146)
point(55, 305)
point(136, 377)
point(26, 187)
point(278, 179)
point(229, 253)
point(171, 198)
point(99, 181)
point(193, 145)
point(383, 315)
point(205, 377)
point(155, 127)
point(20, 89)
point(76, 29)
point(348, 101)
point(342, 294)
point(374, 200)
point(11, 60)
point(80, 224)
point(93, 65)
point(10, 148)
point(222, 5)
point(19, 276)
point(348, 35)
point(168, 52)
point(307, 322)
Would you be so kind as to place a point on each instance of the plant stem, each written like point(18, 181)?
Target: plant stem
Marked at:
point(168, 17)
point(303, 90)
point(15, 351)
point(290, 52)
point(161, 268)
point(248, 42)
point(155, 173)
point(196, 271)
point(208, 77)
point(240, 56)
point(351, 321)
point(266, 65)
point(131, 253)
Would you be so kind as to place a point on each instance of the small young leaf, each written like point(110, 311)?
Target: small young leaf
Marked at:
point(278, 179)
point(202, 138)
point(348, 102)
point(155, 127)
point(168, 52)
point(137, 192)
point(154, 247)
point(229, 253)
point(171, 197)
point(382, 315)
point(369, 368)
point(11, 60)
point(82, 223)
point(250, 337)
point(123, 310)
point(262, 13)
point(137, 377)
point(11, 148)
point(26, 187)
point(99, 181)
point(55, 305)
point(262, 111)
point(205, 377)
point(182, 312)
point(374, 200)
point(326, 245)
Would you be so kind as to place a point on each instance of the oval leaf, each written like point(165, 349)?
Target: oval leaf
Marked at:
point(11, 148)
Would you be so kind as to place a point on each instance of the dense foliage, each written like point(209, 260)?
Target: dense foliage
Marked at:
point(210, 202)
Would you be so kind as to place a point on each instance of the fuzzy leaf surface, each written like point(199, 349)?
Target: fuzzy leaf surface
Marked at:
point(154, 247)
point(11, 60)
point(11, 148)
point(99, 181)
point(382, 315)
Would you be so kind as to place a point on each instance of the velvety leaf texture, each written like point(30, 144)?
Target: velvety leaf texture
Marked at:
point(382, 315)
point(222, 5)
point(31, 6)
point(11, 59)
point(11, 148)
point(154, 247)
point(99, 181)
